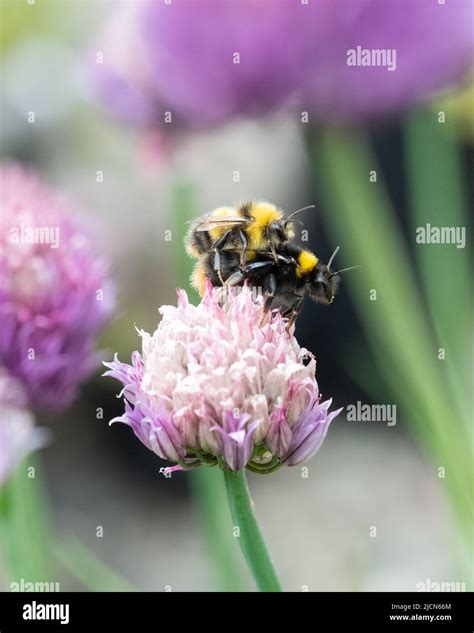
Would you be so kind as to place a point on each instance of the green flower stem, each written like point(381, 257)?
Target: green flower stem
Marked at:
point(250, 537)
point(208, 490)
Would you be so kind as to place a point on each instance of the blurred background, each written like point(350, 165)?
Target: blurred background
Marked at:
point(142, 182)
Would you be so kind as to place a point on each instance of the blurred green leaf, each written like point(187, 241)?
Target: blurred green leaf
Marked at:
point(23, 19)
point(26, 528)
point(83, 565)
point(395, 323)
point(435, 177)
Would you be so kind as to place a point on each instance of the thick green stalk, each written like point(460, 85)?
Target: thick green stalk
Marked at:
point(208, 489)
point(249, 535)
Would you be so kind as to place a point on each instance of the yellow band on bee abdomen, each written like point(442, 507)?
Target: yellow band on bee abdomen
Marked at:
point(198, 278)
point(307, 261)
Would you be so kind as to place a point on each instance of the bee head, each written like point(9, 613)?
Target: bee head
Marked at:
point(280, 232)
point(322, 284)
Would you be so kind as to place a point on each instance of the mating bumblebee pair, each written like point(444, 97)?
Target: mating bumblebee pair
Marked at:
point(253, 243)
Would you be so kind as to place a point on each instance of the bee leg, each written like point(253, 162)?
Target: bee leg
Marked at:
point(286, 260)
point(217, 266)
point(217, 247)
point(235, 278)
point(239, 275)
point(291, 307)
point(245, 246)
point(270, 295)
point(293, 312)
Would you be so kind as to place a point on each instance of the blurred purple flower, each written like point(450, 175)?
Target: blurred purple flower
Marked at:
point(211, 386)
point(212, 60)
point(433, 46)
point(18, 435)
point(118, 66)
point(54, 293)
point(183, 61)
point(208, 61)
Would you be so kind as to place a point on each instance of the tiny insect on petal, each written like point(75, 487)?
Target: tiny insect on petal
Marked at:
point(211, 386)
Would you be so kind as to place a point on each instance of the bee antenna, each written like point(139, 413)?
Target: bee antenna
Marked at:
point(331, 259)
point(311, 206)
point(343, 270)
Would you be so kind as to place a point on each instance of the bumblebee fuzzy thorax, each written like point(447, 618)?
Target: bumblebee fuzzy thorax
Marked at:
point(265, 225)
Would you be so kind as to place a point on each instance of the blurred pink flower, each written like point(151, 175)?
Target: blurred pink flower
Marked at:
point(18, 435)
point(55, 295)
point(208, 61)
point(212, 386)
point(118, 66)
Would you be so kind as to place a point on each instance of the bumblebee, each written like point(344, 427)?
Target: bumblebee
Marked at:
point(295, 274)
point(253, 226)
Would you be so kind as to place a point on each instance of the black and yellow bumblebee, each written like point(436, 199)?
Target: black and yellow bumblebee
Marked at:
point(252, 226)
point(287, 280)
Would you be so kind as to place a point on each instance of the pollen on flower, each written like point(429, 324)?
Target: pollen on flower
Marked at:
point(211, 386)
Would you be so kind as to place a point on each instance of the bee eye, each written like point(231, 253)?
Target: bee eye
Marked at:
point(281, 233)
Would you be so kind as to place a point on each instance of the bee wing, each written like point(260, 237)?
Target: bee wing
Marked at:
point(208, 223)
